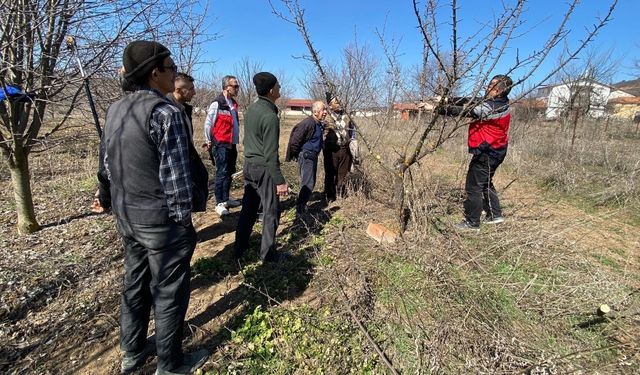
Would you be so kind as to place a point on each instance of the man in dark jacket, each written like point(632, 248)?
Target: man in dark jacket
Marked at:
point(488, 140)
point(149, 162)
point(263, 179)
point(305, 144)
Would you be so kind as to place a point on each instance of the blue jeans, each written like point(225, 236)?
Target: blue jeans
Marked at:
point(225, 159)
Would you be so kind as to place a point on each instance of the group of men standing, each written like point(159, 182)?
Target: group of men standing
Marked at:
point(152, 178)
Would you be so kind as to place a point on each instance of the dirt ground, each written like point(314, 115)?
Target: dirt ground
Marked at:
point(60, 286)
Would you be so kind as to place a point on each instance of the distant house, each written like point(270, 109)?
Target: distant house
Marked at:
point(529, 107)
point(624, 107)
point(300, 107)
point(406, 111)
point(596, 96)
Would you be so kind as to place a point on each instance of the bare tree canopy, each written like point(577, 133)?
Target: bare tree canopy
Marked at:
point(34, 61)
point(451, 63)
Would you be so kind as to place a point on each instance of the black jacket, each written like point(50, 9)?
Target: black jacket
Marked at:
point(300, 134)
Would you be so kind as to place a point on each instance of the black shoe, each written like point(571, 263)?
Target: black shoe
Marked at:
point(131, 363)
point(301, 210)
point(190, 363)
point(276, 257)
point(465, 225)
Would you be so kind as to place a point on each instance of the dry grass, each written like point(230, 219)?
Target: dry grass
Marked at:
point(511, 298)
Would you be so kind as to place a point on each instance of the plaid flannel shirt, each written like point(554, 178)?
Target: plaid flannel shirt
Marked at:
point(167, 130)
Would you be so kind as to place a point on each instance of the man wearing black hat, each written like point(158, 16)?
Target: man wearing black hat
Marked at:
point(150, 163)
point(336, 151)
point(263, 180)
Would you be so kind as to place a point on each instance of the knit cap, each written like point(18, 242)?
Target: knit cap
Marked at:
point(264, 82)
point(139, 57)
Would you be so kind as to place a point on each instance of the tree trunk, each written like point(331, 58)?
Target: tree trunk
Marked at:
point(399, 200)
point(576, 117)
point(21, 181)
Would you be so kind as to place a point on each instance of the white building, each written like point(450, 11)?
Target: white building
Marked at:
point(594, 95)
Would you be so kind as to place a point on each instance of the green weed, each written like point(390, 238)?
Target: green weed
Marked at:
point(207, 266)
point(301, 340)
point(606, 261)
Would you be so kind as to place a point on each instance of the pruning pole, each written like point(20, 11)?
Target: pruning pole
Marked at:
point(71, 46)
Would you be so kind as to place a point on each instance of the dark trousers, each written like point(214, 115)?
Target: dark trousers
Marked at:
point(259, 188)
point(225, 161)
point(481, 194)
point(308, 167)
point(156, 273)
point(337, 163)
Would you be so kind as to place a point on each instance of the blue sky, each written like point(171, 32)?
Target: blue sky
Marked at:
point(248, 28)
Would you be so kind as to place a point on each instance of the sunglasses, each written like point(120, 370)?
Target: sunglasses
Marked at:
point(172, 67)
point(235, 86)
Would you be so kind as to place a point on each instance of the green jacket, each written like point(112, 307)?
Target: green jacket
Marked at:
point(262, 137)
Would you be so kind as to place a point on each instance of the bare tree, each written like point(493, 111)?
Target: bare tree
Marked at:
point(34, 61)
point(581, 91)
point(245, 69)
point(208, 87)
point(457, 61)
point(186, 35)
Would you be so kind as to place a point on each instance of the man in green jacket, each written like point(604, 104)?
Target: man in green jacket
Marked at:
point(263, 180)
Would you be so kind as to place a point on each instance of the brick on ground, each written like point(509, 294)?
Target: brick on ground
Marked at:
point(381, 233)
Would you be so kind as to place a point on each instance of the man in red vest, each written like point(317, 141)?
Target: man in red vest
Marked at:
point(222, 133)
point(488, 141)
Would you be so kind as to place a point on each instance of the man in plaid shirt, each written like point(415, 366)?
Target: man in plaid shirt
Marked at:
point(151, 164)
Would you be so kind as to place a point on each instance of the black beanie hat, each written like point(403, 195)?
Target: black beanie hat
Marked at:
point(264, 82)
point(329, 97)
point(139, 56)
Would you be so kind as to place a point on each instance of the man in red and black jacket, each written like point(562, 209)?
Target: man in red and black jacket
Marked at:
point(488, 140)
point(222, 134)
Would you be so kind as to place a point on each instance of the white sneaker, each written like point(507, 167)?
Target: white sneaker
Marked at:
point(231, 203)
point(221, 209)
point(495, 220)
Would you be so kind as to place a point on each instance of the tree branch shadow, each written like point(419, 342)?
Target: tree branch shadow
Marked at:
point(69, 219)
point(265, 284)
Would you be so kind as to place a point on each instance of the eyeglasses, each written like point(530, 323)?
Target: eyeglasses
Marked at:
point(235, 86)
point(173, 67)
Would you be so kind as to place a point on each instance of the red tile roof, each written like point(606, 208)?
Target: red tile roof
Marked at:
point(299, 103)
point(530, 103)
point(405, 106)
point(625, 100)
